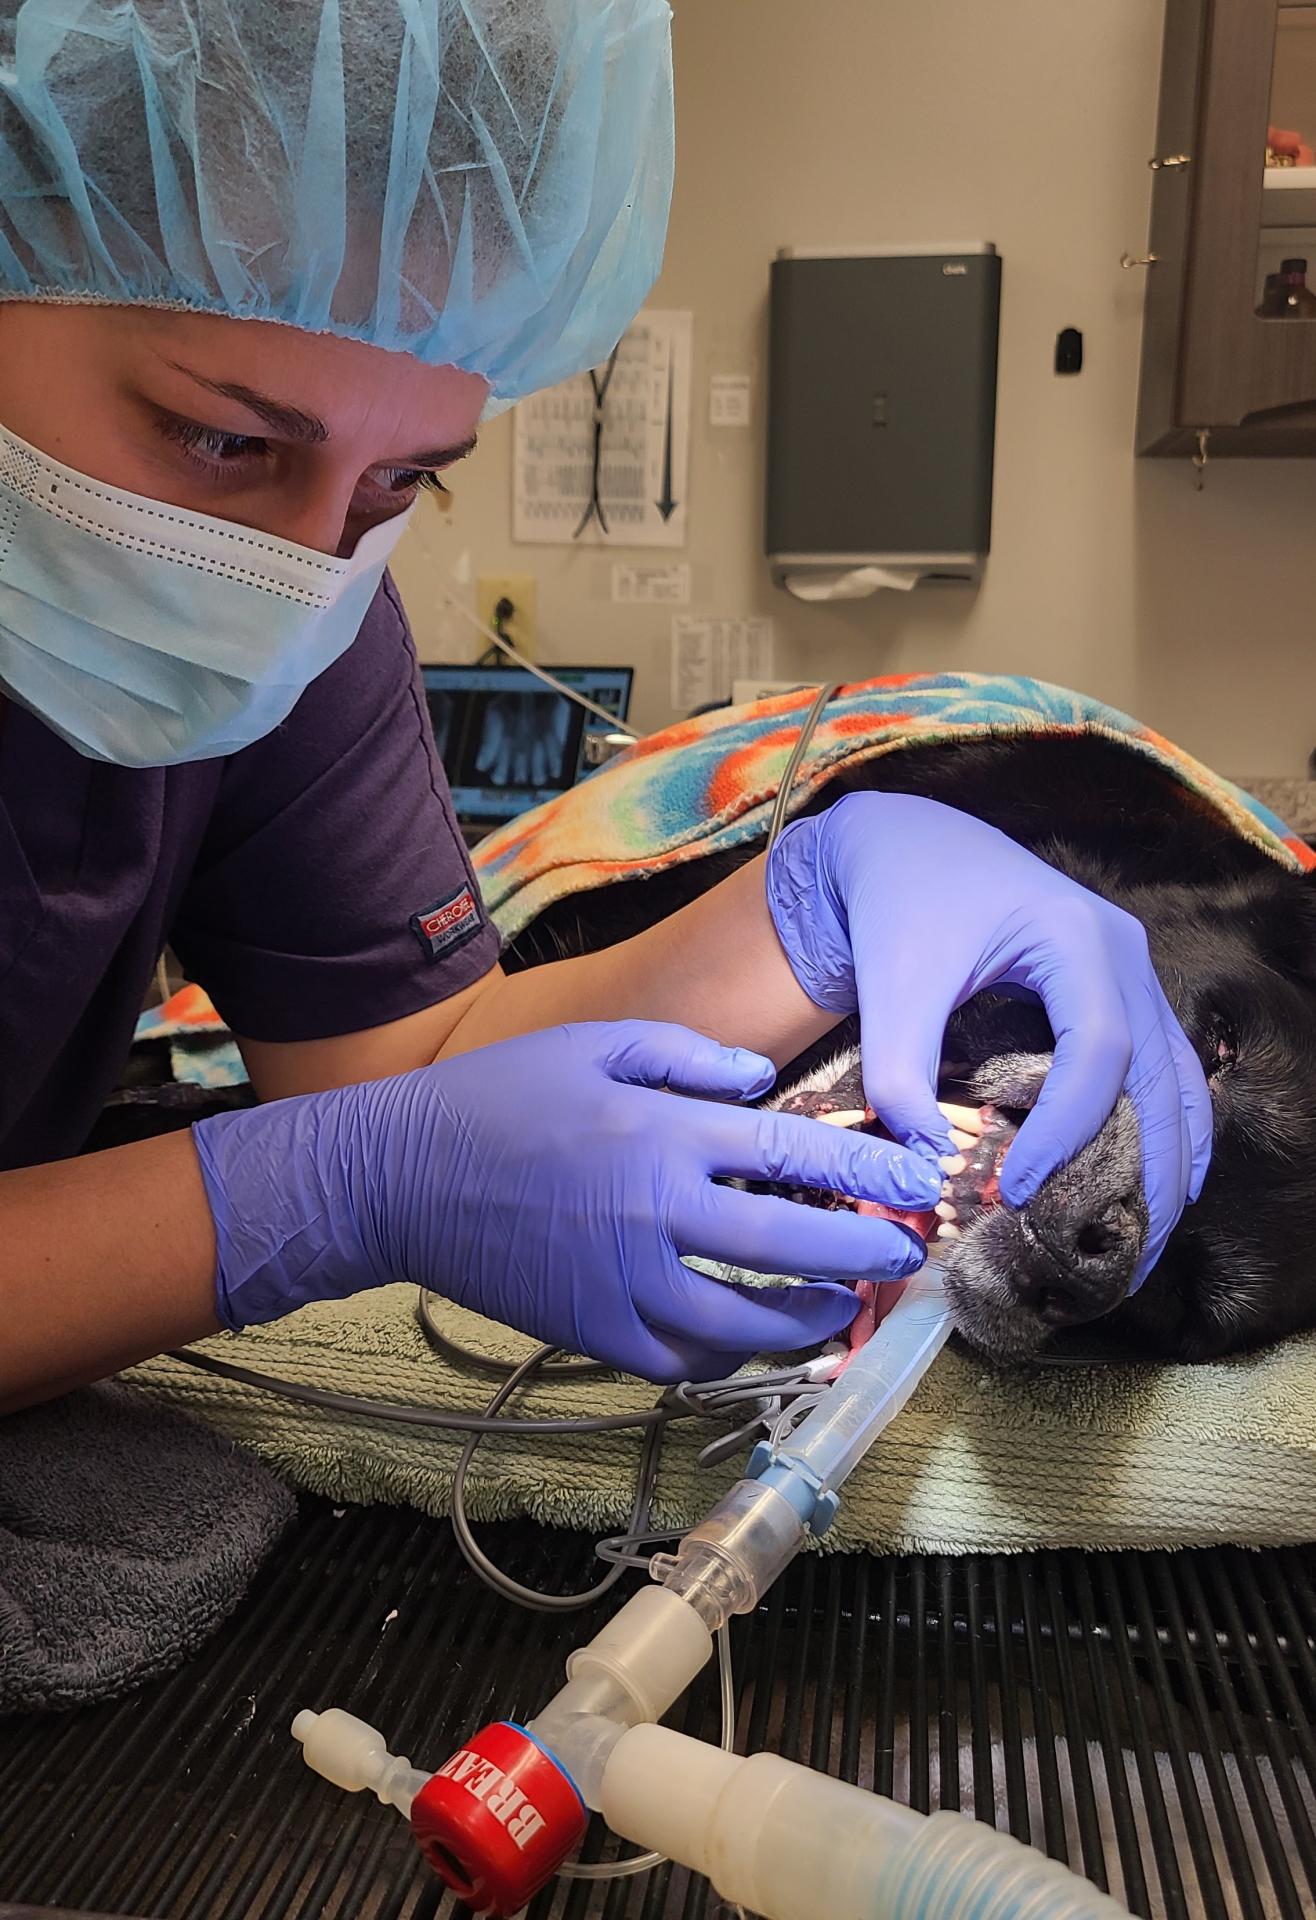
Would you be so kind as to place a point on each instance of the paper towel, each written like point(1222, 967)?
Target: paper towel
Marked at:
point(850, 583)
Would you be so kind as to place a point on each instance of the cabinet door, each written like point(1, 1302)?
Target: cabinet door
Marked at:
point(1160, 421)
point(1236, 369)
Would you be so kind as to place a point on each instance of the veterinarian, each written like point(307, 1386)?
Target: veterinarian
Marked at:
point(264, 268)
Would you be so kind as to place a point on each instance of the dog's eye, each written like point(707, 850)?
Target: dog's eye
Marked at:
point(1222, 1047)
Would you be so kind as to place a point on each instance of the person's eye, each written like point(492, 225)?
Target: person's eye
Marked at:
point(210, 447)
point(410, 480)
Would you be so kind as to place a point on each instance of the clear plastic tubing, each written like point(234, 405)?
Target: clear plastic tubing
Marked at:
point(875, 1385)
point(725, 1564)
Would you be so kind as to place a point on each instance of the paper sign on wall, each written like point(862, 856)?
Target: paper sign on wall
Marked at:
point(644, 448)
point(659, 583)
point(708, 655)
point(729, 400)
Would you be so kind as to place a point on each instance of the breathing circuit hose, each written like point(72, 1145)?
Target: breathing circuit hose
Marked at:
point(775, 1838)
point(504, 1812)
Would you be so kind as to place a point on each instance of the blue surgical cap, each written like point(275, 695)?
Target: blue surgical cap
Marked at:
point(481, 183)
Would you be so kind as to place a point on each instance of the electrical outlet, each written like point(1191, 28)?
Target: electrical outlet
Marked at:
point(520, 627)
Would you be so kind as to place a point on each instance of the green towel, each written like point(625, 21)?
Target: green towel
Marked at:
point(978, 1461)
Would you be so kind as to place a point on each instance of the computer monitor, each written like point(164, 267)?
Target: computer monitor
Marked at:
point(507, 741)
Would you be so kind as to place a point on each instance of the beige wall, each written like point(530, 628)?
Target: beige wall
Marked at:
point(1026, 122)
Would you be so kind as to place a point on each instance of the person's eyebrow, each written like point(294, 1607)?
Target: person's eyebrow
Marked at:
point(438, 456)
point(293, 424)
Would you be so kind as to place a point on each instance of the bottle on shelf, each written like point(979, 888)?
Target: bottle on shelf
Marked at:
point(1293, 298)
point(1270, 297)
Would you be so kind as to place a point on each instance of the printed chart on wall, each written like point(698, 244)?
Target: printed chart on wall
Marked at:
point(709, 656)
point(602, 461)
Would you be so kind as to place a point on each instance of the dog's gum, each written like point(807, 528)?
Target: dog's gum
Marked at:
point(972, 1187)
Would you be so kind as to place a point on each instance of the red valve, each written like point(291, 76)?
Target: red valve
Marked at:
point(498, 1819)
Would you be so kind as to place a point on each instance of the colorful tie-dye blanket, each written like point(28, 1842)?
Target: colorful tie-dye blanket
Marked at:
point(200, 1051)
point(705, 785)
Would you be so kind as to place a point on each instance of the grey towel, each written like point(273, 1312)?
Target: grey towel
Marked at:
point(127, 1533)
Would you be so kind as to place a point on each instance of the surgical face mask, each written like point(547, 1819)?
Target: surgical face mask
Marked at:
point(144, 635)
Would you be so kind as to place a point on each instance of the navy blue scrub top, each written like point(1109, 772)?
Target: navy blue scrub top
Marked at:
point(314, 884)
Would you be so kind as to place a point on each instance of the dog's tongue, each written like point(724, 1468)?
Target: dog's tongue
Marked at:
point(875, 1302)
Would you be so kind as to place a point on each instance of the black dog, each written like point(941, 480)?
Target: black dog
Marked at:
point(1233, 936)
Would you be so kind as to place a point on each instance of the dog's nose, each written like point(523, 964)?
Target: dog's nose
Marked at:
point(1077, 1265)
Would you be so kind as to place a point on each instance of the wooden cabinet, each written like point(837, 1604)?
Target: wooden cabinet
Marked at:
point(1224, 215)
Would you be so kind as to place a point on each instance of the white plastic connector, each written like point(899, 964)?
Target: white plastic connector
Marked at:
point(791, 1844)
point(651, 1651)
point(826, 1365)
point(640, 1662)
point(351, 1754)
point(722, 1566)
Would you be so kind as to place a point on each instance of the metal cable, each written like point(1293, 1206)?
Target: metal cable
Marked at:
point(475, 1556)
point(686, 1402)
point(801, 747)
point(461, 1356)
point(403, 1415)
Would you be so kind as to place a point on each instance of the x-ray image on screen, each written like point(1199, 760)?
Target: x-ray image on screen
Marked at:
point(522, 740)
point(441, 706)
point(508, 742)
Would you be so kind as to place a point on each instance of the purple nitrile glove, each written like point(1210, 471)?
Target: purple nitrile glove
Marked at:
point(902, 909)
point(550, 1183)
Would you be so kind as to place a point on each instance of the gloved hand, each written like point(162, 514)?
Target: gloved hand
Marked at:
point(902, 909)
point(549, 1183)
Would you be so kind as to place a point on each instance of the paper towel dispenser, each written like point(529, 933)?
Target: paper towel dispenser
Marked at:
point(881, 417)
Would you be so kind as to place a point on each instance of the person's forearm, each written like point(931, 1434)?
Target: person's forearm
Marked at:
point(103, 1261)
point(716, 966)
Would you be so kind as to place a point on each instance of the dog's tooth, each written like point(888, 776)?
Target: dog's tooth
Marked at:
point(947, 1232)
point(850, 1118)
point(967, 1119)
point(945, 1211)
point(962, 1140)
point(953, 1163)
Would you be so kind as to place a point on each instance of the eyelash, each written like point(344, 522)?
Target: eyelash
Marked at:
point(210, 448)
point(421, 479)
point(207, 444)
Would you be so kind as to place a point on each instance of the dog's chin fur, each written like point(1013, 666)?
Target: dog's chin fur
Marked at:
point(1003, 1269)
